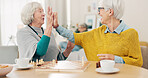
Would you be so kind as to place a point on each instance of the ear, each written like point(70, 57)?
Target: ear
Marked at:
point(111, 12)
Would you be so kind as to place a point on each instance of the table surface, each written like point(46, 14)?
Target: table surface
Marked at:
point(126, 71)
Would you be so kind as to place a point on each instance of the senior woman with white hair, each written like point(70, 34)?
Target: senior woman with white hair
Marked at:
point(33, 41)
point(112, 41)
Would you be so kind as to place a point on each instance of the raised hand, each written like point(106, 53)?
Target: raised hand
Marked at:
point(48, 29)
point(55, 17)
point(106, 56)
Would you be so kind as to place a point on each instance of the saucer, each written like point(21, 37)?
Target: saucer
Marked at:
point(113, 71)
point(23, 68)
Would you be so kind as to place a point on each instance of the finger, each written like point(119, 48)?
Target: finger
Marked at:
point(103, 55)
point(51, 19)
point(48, 10)
point(103, 58)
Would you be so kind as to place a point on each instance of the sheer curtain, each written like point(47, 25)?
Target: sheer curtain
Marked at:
point(11, 19)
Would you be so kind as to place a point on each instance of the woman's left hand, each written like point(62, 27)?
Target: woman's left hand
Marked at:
point(106, 56)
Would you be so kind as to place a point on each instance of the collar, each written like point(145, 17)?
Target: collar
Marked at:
point(118, 30)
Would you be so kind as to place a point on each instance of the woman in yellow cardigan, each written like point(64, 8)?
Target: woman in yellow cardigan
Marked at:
point(113, 41)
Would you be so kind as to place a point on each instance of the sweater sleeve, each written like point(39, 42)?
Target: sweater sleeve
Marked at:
point(82, 38)
point(134, 56)
point(42, 45)
point(66, 33)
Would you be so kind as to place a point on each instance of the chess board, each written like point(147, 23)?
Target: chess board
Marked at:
point(64, 66)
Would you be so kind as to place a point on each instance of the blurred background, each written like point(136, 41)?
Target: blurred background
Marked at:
point(72, 14)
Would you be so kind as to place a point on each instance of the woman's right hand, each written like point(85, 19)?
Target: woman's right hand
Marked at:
point(48, 29)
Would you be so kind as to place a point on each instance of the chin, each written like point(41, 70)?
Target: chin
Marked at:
point(102, 22)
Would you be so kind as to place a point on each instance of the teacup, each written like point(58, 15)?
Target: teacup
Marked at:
point(22, 62)
point(107, 65)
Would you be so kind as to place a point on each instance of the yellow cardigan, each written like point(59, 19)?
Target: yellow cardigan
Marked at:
point(125, 44)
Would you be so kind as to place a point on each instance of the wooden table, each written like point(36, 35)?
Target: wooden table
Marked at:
point(126, 71)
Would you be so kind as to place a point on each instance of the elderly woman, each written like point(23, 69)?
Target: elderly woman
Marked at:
point(33, 41)
point(112, 41)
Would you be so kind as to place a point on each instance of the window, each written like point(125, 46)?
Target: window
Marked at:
point(68, 14)
point(10, 19)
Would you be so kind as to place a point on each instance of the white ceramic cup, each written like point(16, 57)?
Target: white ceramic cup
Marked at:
point(22, 62)
point(107, 65)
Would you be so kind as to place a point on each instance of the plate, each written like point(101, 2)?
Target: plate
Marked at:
point(113, 71)
point(23, 68)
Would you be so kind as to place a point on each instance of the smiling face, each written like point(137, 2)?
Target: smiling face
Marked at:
point(104, 12)
point(39, 16)
point(105, 16)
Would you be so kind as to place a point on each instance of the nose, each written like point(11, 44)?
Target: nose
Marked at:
point(98, 13)
point(43, 14)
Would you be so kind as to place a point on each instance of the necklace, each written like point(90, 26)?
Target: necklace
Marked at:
point(36, 32)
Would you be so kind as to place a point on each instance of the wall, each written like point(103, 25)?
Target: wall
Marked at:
point(135, 16)
point(79, 10)
point(60, 7)
point(0, 23)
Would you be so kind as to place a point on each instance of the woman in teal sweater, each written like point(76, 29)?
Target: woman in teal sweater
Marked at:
point(33, 41)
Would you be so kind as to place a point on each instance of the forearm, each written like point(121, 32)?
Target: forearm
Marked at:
point(66, 52)
point(133, 61)
point(48, 31)
point(42, 45)
point(66, 33)
point(119, 60)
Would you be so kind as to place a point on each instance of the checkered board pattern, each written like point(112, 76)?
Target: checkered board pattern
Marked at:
point(64, 66)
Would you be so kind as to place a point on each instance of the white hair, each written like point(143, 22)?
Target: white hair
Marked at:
point(116, 5)
point(28, 11)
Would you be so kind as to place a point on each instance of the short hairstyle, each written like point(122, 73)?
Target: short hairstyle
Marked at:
point(116, 5)
point(83, 25)
point(28, 11)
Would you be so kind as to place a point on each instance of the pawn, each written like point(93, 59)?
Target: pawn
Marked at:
point(56, 61)
point(83, 61)
point(53, 62)
point(98, 64)
point(37, 62)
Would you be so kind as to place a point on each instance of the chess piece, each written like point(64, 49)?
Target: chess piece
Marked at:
point(53, 62)
point(56, 61)
point(98, 64)
point(83, 61)
point(36, 61)
point(31, 62)
point(34, 65)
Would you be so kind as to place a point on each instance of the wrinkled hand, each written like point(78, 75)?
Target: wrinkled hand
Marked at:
point(70, 46)
point(106, 56)
point(55, 17)
point(48, 29)
point(68, 49)
point(49, 17)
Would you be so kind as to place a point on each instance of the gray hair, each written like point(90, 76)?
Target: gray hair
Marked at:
point(28, 11)
point(116, 5)
point(83, 25)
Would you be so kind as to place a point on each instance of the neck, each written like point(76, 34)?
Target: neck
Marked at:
point(113, 24)
point(35, 25)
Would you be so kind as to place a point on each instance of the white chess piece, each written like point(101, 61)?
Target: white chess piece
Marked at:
point(53, 62)
point(83, 61)
point(37, 62)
